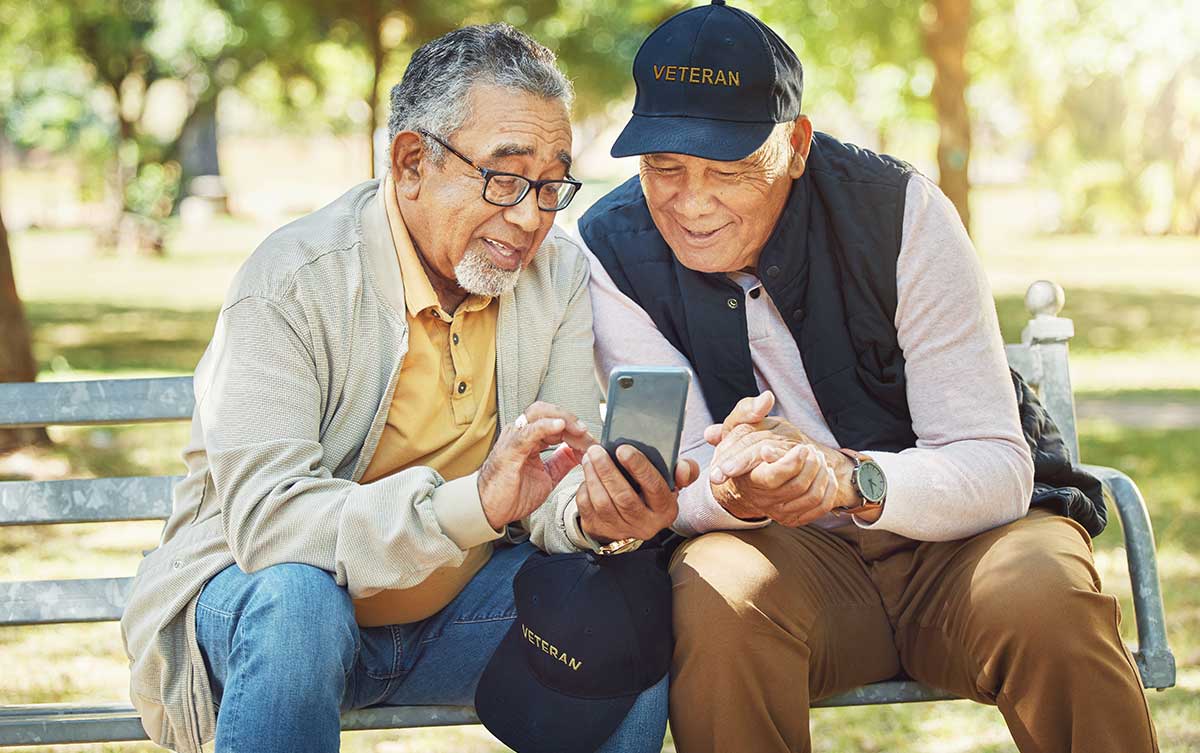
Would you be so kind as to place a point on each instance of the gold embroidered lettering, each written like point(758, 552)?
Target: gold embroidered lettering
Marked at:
point(706, 76)
point(735, 78)
point(693, 75)
point(720, 80)
point(671, 72)
point(658, 71)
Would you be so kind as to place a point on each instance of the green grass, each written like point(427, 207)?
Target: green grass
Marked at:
point(1137, 315)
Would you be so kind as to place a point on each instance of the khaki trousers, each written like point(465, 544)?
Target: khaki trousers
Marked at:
point(768, 620)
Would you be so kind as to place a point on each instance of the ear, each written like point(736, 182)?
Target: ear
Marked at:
point(802, 132)
point(408, 163)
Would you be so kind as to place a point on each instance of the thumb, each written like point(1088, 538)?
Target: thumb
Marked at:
point(686, 472)
point(762, 406)
point(561, 462)
point(748, 411)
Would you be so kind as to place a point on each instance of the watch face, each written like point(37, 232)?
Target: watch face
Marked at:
point(871, 482)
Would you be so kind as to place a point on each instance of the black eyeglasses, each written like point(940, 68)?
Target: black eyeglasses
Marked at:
point(510, 189)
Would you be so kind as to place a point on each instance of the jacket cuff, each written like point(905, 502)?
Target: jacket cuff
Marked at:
point(459, 512)
point(575, 533)
point(706, 514)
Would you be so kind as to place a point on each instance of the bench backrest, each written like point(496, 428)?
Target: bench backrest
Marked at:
point(1040, 357)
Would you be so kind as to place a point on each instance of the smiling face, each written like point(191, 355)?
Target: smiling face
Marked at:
point(717, 216)
point(465, 242)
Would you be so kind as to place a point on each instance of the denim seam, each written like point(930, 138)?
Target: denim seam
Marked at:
point(398, 654)
point(478, 620)
point(473, 621)
point(389, 675)
point(219, 612)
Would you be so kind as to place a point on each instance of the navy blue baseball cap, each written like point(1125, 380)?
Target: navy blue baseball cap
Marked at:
point(591, 634)
point(712, 82)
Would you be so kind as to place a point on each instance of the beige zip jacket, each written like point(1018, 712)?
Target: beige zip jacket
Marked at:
point(291, 397)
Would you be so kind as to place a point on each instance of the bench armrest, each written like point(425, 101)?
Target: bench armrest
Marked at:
point(1153, 656)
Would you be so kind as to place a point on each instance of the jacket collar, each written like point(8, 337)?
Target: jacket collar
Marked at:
point(380, 251)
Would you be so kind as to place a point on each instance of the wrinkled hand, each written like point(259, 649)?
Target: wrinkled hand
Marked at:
point(764, 467)
point(609, 507)
point(514, 480)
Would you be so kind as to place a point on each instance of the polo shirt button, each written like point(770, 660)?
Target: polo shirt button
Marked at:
point(798, 314)
point(756, 293)
point(732, 303)
point(772, 271)
point(455, 339)
point(462, 387)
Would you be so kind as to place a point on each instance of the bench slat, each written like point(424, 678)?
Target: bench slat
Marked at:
point(101, 401)
point(893, 691)
point(49, 602)
point(58, 723)
point(52, 724)
point(85, 500)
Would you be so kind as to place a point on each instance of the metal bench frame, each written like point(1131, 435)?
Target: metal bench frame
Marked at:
point(1041, 357)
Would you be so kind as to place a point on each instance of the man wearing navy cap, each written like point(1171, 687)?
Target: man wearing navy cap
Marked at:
point(869, 507)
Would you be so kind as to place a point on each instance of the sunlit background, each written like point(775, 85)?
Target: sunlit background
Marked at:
point(146, 146)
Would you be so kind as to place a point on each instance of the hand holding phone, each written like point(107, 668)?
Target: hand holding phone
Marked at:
point(640, 441)
point(645, 411)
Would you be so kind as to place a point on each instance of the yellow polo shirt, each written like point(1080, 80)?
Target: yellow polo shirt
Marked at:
point(442, 415)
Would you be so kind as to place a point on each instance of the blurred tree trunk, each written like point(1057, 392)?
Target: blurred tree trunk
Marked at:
point(196, 147)
point(16, 352)
point(944, 28)
point(373, 30)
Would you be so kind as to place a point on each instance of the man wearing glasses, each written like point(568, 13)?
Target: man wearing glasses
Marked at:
point(373, 412)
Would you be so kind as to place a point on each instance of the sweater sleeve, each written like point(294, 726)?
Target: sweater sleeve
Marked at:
point(971, 469)
point(259, 405)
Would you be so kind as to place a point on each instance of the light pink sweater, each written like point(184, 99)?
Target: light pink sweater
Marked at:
point(970, 470)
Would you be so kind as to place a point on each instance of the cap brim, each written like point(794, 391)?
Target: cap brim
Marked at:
point(722, 140)
point(528, 717)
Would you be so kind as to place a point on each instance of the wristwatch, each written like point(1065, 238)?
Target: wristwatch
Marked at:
point(620, 546)
point(868, 480)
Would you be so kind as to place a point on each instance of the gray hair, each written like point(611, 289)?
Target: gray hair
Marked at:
point(434, 93)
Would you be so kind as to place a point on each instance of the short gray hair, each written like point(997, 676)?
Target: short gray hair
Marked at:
point(434, 93)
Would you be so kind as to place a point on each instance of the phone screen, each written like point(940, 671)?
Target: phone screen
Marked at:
point(645, 410)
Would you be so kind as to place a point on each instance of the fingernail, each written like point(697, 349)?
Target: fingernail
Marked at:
point(624, 452)
point(580, 427)
point(585, 459)
point(716, 476)
point(558, 424)
point(729, 467)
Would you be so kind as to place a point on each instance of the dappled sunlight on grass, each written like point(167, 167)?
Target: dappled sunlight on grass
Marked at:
point(100, 337)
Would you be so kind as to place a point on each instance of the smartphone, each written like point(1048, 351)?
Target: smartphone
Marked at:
point(645, 410)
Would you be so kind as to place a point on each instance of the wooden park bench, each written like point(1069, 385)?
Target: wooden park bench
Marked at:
point(1041, 357)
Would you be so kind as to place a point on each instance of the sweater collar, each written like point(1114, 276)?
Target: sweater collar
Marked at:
point(379, 249)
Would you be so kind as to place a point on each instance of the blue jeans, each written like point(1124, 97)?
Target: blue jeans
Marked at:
point(285, 657)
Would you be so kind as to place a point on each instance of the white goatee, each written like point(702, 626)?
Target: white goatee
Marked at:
point(476, 273)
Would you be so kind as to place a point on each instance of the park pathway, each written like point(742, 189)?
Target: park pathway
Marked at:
point(1140, 414)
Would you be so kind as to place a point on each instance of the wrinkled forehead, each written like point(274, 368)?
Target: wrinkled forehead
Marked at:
point(507, 124)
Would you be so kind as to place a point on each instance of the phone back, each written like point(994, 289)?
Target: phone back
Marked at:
point(645, 409)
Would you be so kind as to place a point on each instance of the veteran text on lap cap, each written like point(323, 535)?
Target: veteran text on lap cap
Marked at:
point(591, 634)
point(712, 82)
